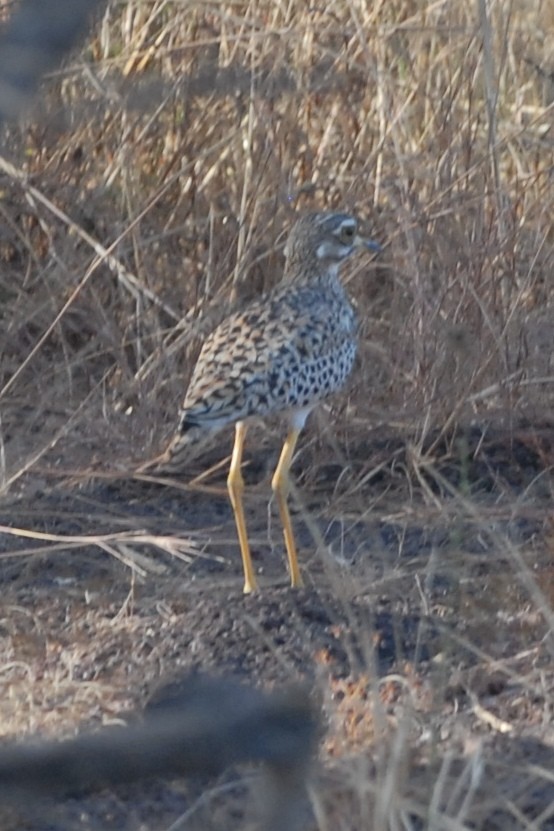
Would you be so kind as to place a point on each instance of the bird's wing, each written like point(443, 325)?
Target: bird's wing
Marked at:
point(247, 365)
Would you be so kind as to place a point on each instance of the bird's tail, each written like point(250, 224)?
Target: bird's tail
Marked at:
point(182, 449)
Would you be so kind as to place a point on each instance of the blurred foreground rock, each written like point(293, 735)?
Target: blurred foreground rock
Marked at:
point(200, 727)
point(34, 40)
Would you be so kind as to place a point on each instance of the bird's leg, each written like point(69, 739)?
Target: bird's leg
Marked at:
point(281, 486)
point(235, 486)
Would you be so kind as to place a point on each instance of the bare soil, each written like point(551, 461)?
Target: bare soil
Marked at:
point(430, 596)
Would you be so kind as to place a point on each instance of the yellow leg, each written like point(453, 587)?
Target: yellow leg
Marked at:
point(281, 485)
point(235, 486)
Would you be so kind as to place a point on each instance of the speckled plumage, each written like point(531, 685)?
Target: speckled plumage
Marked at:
point(283, 353)
point(287, 350)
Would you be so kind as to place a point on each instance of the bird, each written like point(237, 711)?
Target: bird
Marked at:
point(284, 352)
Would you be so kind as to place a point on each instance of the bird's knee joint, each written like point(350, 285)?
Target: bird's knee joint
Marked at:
point(235, 482)
point(280, 487)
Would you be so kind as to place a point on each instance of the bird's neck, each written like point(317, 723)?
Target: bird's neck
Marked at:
point(317, 272)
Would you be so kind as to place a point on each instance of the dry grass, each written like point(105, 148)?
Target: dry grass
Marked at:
point(182, 141)
point(152, 187)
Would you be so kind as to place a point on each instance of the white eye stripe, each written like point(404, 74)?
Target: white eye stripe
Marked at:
point(349, 224)
point(324, 249)
point(342, 221)
point(332, 250)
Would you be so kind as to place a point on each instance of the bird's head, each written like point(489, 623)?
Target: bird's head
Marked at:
point(324, 240)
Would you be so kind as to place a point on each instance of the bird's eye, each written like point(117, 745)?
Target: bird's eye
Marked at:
point(347, 233)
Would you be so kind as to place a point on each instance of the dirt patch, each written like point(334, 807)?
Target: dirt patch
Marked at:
point(437, 607)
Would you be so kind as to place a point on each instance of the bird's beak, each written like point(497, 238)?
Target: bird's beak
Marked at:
point(372, 245)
